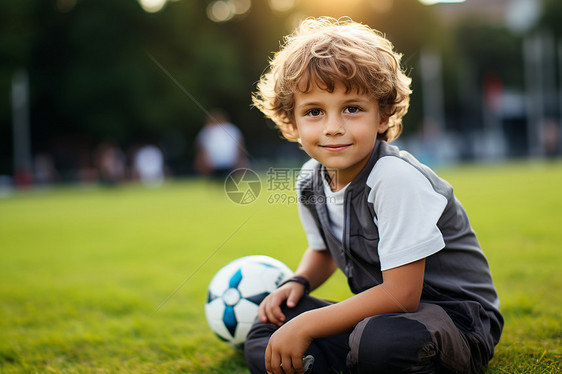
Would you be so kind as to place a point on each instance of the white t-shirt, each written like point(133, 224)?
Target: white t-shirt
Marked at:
point(406, 207)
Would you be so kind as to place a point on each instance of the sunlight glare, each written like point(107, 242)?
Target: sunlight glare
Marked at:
point(381, 6)
point(219, 11)
point(152, 6)
point(432, 2)
point(240, 7)
point(336, 8)
point(281, 5)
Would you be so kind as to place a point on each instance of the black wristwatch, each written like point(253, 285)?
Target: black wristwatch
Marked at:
point(299, 279)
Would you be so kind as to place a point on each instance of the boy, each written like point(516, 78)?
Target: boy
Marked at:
point(424, 298)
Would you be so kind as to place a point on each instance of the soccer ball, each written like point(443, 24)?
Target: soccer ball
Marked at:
point(235, 292)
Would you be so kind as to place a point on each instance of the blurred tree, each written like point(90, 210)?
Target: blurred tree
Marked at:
point(551, 16)
point(93, 77)
point(121, 81)
point(107, 70)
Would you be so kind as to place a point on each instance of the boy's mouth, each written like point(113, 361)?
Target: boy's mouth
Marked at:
point(335, 147)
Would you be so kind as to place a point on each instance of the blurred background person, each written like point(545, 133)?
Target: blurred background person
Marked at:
point(220, 147)
point(551, 138)
point(148, 165)
point(110, 162)
point(45, 170)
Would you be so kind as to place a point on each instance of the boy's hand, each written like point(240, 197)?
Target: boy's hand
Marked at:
point(270, 307)
point(287, 346)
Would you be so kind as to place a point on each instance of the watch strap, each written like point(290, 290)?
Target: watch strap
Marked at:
point(298, 279)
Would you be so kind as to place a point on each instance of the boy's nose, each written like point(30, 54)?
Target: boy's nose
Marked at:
point(334, 125)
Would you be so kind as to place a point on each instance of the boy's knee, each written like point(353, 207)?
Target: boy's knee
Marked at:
point(255, 345)
point(390, 344)
point(305, 304)
point(258, 337)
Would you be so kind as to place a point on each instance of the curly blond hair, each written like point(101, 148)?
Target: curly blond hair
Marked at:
point(325, 51)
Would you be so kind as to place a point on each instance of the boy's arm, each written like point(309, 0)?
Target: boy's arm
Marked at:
point(316, 267)
point(400, 292)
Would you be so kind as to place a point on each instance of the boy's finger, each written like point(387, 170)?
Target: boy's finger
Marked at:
point(287, 364)
point(279, 314)
point(274, 315)
point(263, 310)
point(275, 364)
point(261, 313)
point(297, 365)
point(293, 298)
point(270, 315)
point(268, 359)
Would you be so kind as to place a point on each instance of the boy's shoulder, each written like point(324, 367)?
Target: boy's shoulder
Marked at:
point(307, 174)
point(308, 167)
point(397, 169)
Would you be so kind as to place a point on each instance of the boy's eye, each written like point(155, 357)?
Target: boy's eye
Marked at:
point(314, 112)
point(352, 109)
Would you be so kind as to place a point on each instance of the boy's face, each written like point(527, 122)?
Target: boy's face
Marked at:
point(338, 129)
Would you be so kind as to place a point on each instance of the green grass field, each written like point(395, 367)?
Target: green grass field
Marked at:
point(110, 280)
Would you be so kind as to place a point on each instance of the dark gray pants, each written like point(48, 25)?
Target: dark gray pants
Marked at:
point(427, 341)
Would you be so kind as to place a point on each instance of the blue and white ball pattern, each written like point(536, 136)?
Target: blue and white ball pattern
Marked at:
point(235, 293)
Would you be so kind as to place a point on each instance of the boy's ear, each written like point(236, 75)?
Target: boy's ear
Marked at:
point(291, 131)
point(383, 124)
